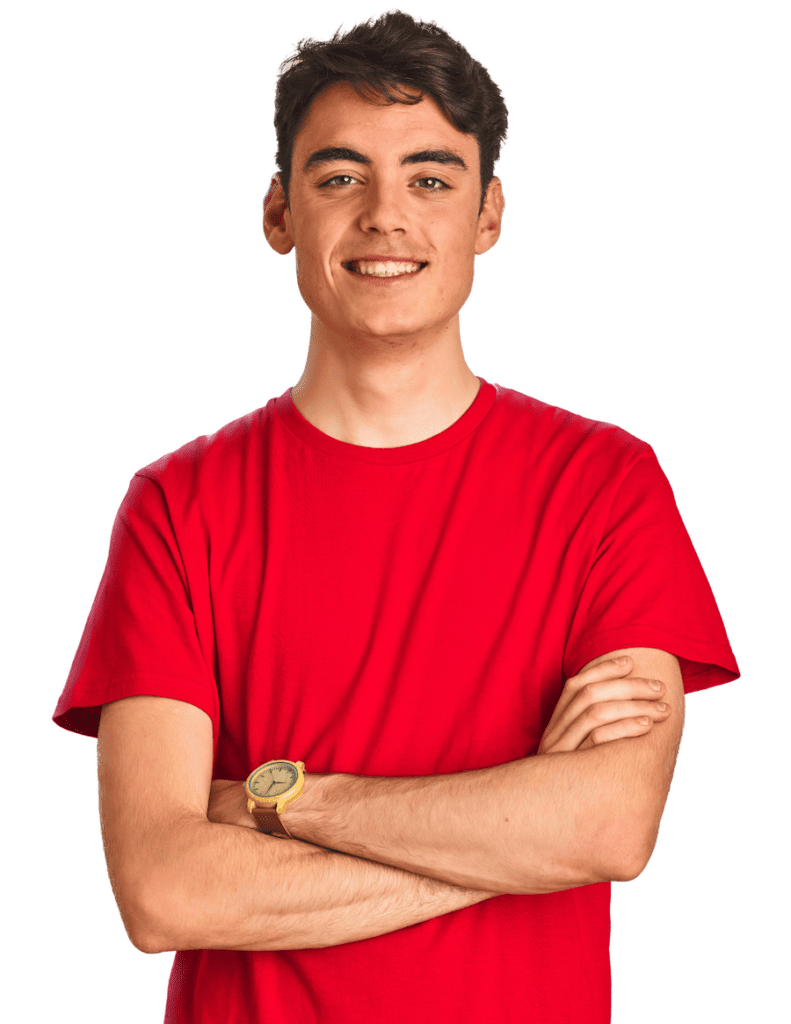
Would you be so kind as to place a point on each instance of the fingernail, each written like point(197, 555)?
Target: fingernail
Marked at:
point(655, 685)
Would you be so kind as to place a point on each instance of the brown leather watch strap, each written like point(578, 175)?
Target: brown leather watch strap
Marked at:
point(269, 821)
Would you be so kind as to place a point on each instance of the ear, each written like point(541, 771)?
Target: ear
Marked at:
point(491, 217)
point(277, 218)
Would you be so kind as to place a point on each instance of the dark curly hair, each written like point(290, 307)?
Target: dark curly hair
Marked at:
point(380, 57)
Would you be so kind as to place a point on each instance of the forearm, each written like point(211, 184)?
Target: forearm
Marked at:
point(538, 825)
point(230, 887)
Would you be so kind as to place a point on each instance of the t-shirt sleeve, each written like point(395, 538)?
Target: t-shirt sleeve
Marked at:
point(646, 587)
point(141, 635)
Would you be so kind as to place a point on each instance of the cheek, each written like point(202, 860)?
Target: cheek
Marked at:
point(315, 283)
point(314, 260)
point(463, 259)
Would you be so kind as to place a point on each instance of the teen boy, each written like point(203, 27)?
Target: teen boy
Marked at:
point(460, 620)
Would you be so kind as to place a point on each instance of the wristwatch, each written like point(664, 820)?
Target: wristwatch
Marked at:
point(270, 789)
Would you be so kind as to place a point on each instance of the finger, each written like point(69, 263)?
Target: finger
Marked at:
point(602, 715)
point(624, 728)
point(604, 690)
point(612, 668)
point(600, 692)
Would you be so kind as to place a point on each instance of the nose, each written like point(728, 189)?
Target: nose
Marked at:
point(384, 208)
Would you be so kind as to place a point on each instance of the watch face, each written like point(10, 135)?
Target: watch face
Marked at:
point(273, 779)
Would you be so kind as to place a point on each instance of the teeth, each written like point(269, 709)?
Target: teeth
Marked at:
point(384, 269)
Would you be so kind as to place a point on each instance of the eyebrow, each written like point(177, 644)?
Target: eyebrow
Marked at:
point(435, 157)
point(333, 153)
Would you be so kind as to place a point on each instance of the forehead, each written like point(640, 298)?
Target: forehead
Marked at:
point(339, 116)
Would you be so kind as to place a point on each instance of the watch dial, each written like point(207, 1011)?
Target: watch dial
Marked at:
point(274, 779)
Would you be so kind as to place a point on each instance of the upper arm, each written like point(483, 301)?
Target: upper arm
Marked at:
point(644, 764)
point(155, 759)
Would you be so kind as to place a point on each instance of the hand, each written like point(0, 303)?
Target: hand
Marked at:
point(598, 705)
point(228, 803)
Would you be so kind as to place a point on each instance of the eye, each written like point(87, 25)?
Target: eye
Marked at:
point(436, 181)
point(337, 177)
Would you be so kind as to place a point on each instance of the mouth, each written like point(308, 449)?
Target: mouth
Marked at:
point(384, 268)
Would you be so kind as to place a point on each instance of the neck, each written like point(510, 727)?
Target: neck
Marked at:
point(386, 394)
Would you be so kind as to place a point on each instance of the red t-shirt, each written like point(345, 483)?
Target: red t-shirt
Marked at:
point(418, 610)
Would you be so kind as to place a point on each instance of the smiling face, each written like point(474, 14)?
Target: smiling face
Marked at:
point(384, 182)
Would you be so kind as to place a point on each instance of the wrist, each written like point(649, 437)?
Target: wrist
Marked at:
point(305, 810)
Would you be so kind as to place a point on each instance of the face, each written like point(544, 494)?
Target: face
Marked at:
point(403, 186)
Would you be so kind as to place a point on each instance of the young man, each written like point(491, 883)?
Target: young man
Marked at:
point(461, 621)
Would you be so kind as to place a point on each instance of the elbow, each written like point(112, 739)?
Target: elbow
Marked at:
point(152, 937)
point(628, 857)
point(152, 946)
point(623, 843)
point(157, 941)
point(628, 870)
point(138, 929)
point(155, 900)
point(144, 931)
point(151, 929)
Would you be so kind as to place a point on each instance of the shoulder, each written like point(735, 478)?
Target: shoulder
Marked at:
point(204, 475)
point(210, 460)
point(573, 443)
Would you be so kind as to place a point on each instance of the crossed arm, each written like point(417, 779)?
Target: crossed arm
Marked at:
point(379, 854)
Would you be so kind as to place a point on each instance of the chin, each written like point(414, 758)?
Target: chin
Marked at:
point(352, 322)
point(388, 330)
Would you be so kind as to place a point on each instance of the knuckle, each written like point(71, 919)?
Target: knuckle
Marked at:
point(598, 713)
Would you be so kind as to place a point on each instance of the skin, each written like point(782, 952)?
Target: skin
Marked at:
point(384, 368)
point(385, 365)
point(602, 703)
